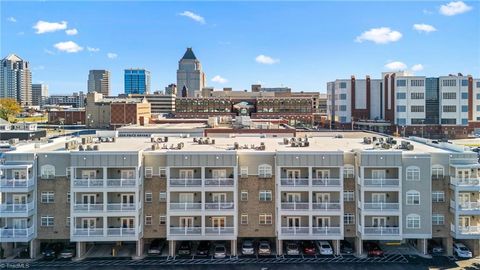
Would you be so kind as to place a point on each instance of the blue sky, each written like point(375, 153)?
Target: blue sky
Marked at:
point(301, 44)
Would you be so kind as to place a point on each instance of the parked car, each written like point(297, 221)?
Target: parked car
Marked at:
point(346, 247)
point(324, 248)
point(51, 251)
point(264, 248)
point(156, 247)
point(293, 248)
point(220, 251)
point(309, 248)
point(435, 247)
point(185, 248)
point(248, 247)
point(203, 248)
point(461, 251)
point(68, 252)
point(373, 249)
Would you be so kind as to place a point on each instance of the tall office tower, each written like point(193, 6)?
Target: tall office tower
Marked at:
point(39, 94)
point(137, 81)
point(99, 81)
point(190, 74)
point(16, 80)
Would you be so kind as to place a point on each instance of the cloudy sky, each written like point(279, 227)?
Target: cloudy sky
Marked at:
point(300, 45)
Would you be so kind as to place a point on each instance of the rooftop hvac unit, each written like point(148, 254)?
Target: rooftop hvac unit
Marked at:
point(410, 147)
point(95, 147)
point(235, 146)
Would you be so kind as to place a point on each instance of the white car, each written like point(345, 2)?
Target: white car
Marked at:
point(324, 247)
point(461, 251)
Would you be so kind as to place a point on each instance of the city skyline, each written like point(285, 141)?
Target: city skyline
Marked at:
point(240, 44)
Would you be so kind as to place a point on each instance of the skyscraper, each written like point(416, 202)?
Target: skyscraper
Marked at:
point(16, 80)
point(137, 81)
point(39, 94)
point(190, 74)
point(99, 81)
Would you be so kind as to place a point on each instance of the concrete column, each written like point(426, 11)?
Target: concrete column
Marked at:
point(358, 246)
point(81, 246)
point(422, 246)
point(280, 247)
point(233, 247)
point(171, 248)
point(7, 249)
point(34, 248)
point(336, 246)
point(448, 245)
point(140, 246)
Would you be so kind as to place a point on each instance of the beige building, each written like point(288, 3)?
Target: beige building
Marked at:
point(99, 81)
point(190, 76)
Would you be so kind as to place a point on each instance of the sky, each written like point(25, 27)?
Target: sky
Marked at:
point(302, 45)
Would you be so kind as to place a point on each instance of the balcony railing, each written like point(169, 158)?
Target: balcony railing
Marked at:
point(326, 231)
point(121, 182)
point(121, 207)
point(327, 206)
point(465, 229)
point(465, 182)
point(295, 230)
point(381, 182)
point(88, 232)
point(185, 231)
point(219, 230)
point(329, 182)
point(7, 233)
point(88, 183)
point(465, 206)
point(101, 232)
point(185, 206)
point(294, 205)
point(16, 208)
point(191, 182)
point(381, 231)
point(16, 183)
point(224, 182)
point(121, 232)
point(381, 206)
point(88, 207)
point(219, 206)
point(294, 182)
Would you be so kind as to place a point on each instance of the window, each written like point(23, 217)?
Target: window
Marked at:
point(244, 219)
point(348, 172)
point(148, 197)
point(67, 222)
point(401, 121)
point(438, 219)
point(438, 196)
point(401, 108)
point(343, 96)
point(148, 172)
point(478, 95)
point(244, 195)
point(47, 197)
point(162, 196)
point(417, 83)
point(464, 95)
point(401, 95)
point(417, 95)
point(450, 108)
point(478, 86)
point(67, 172)
point(413, 197)
point(47, 172)
point(417, 121)
point(343, 119)
point(148, 220)
point(343, 108)
point(464, 121)
point(162, 172)
point(348, 219)
point(265, 195)
point(68, 196)
point(449, 83)
point(417, 108)
point(348, 196)
point(413, 221)
point(449, 121)
point(163, 220)
point(464, 82)
point(265, 171)
point(244, 172)
point(449, 95)
point(437, 171)
point(265, 219)
point(401, 82)
point(343, 85)
point(464, 108)
point(478, 108)
point(47, 221)
point(413, 173)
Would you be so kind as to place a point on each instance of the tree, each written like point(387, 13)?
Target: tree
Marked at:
point(9, 107)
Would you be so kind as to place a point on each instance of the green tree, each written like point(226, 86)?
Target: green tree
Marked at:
point(9, 107)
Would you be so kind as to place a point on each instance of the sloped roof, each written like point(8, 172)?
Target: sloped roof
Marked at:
point(189, 54)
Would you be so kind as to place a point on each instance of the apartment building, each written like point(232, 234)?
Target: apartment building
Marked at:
point(130, 190)
point(407, 104)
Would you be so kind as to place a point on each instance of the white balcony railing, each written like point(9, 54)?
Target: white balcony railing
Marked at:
point(185, 231)
point(121, 207)
point(327, 206)
point(121, 182)
point(465, 206)
point(101, 232)
point(185, 206)
point(465, 182)
point(88, 183)
point(16, 183)
point(294, 205)
point(7, 233)
point(329, 182)
point(326, 231)
point(219, 206)
point(294, 182)
point(465, 229)
point(381, 206)
point(16, 208)
point(121, 232)
point(88, 207)
point(224, 182)
point(219, 230)
point(88, 232)
point(381, 231)
point(191, 182)
point(295, 230)
point(381, 182)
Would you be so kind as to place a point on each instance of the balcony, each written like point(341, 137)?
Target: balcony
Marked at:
point(88, 232)
point(328, 231)
point(16, 235)
point(191, 182)
point(381, 231)
point(121, 207)
point(466, 207)
point(219, 230)
point(16, 185)
point(327, 206)
point(119, 183)
point(465, 232)
point(219, 206)
point(294, 206)
point(185, 231)
point(184, 206)
point(295, 230)
point(322, 182)
point(16, 209)
point(121, 232)
point(88, 183)
point(294, 182)
point(466, 183)
point(381, 183)
point(223, 182)
point(380, 207)
point(101, 234)
point(88, 207)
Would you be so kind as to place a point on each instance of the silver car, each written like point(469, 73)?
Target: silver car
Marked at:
point(220, 251)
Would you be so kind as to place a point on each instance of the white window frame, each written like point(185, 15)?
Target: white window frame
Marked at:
point(69, 196)
point(162, 220)
point(349, 194)
point(438, 219)
point(411, 194)
point(265, 219)
point(147, 195)
point(162, 172)
point(148, 172)
point(412, 220)
point(67, 222)
point(438, 196)
point(47, 171)
point(244, 172)
point(266, 194)
point(348, 219)
point(264, 171)
point(438, 171)
point(47, 197)
point(162, 196)
point(244, 219)
point(412, 173)
point(148, 220)
point(47, 221)
point(242, 194)
point(348, 172)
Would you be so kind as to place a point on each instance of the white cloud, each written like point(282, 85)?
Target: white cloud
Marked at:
point(47, 27)
point(68, 47)
point(71, 32)
point(193, 16)
point(219, 79)
point(11, 19)
point(396, 65)
point(421, 27)
point(91, 49)
point(112, 55)
point(267, 60)
point(427, 12)
point(454, 8)
point(382, 35)
point(49, 52)
point(417, 67)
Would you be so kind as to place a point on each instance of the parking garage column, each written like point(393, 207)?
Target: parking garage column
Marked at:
point(280, 247)
point(140, 248)
point(336, 246)
point(448, 246)
point(171, 248)
point(7, 249)
point(422, 246)
point(359, 246)
point(80, 249)
point(233, 248)
point(34, 248)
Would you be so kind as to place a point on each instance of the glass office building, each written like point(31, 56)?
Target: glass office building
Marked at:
point(137, 81)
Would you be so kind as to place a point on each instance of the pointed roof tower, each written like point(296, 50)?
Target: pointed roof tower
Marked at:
point(189, 54)
point(184, 91)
